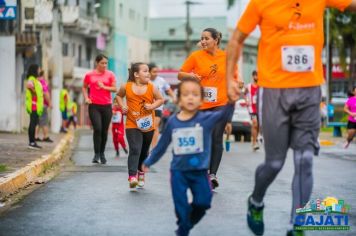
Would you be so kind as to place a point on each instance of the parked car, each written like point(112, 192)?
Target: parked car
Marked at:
point(338, 98)
point(241, 121)
point(169, 108)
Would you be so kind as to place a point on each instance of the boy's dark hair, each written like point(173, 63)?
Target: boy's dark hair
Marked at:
point(151, 66)
point(254, 73)
point(186, 80)
point(32, 70)
point(214, 34)
point(100, 57)
point(135, 67)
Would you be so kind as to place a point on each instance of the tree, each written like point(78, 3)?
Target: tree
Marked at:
point(343, 39)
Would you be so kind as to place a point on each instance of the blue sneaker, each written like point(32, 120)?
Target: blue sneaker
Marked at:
point(294, 232)
point(255, 218)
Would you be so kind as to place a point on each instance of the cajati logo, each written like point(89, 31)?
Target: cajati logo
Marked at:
point(327, 214)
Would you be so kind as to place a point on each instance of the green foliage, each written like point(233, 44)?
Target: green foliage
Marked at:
point(3, 168)
point(230, 3)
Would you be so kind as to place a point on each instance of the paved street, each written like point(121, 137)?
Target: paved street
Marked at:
point(89, 199)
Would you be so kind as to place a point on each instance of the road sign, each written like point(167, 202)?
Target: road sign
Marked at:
point(8, 9)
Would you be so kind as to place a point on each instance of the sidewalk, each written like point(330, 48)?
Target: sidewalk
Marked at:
point(19, 165)
point(14, 153)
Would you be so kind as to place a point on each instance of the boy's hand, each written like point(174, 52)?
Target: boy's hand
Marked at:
point(145, 168)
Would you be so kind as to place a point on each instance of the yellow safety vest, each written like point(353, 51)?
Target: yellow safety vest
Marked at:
point(39, 96)
point(62, 104)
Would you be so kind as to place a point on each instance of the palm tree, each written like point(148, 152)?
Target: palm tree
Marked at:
point(343, 38)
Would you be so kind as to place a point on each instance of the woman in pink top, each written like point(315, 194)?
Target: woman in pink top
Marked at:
point(101, 82)
point(350, 109)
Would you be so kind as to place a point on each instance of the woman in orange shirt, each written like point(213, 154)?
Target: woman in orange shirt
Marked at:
point(142, 98)
point(208, 66)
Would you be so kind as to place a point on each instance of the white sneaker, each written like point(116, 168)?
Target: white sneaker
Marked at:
point(214, 181)
point(346, 144)
point(255, 147)
point(141, 179)
point(132, 182)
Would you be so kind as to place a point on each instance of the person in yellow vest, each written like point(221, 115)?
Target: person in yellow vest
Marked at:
point(34, 103)
point(72, 114)
point(63, 107)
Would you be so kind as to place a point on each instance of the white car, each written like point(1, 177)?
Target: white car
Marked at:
point(241, 121)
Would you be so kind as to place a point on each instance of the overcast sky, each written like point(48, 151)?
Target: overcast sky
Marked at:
point(167, 8)
point(177, 8)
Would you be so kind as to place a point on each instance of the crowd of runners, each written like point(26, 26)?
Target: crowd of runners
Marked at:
point(283, 99)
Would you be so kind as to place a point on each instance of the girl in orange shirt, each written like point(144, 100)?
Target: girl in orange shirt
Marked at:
point(208, 66)
point(142, 98)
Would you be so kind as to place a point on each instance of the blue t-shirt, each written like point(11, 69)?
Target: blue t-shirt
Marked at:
point(197, 161)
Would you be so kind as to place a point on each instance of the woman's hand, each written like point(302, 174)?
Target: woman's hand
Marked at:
point(88, 101)
point(195, 76)
point(101, 85)
point(125, 109)
point(148, 106)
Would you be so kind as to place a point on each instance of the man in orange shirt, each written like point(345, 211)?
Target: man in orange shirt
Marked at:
point(290, 75)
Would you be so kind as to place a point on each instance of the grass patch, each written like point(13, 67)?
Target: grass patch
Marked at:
point(3, 168)
point(326, 129)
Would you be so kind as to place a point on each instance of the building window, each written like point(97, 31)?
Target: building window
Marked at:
point(88, 53)
point(89, 8)
point(73, 50)
point(121, 10)
point(80, 55)
point(145, 23)
point(132, 14)
point(65, 49)
point(172, 32)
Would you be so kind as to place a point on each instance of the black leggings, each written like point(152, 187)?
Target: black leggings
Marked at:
point(217, 142)
point(34, 120)
point(139, 145)
point(100, 117)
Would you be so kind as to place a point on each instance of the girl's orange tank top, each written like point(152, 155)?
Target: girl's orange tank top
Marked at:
point(137, 116)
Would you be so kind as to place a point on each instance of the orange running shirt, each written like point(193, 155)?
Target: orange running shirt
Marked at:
point(212, 70)
point(291, 43)
point(137, 116)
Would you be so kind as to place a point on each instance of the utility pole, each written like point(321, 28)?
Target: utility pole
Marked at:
point(57, 65)
point(188, 29)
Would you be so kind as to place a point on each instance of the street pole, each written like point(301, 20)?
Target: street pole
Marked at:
point(57, 66)
point(327, 62)
point(188, 29)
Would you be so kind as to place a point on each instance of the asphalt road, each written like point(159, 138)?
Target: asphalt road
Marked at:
point(88, 199)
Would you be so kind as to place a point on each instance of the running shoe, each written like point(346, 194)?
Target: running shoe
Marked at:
point(294, 232)
point(96, 158)
point(47, 140)
point(34, 146)
point(141, 179)
point(125, 150)
point(214, 181)
point(256, 147)
point(117, 153)
point(255, 218)
point(346, 144)
point(38, 140)
point(102, 158)
point(133, 181)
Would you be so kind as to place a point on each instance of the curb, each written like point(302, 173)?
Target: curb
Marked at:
point(11, 183)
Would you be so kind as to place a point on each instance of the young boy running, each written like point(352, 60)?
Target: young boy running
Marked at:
point(190, 131)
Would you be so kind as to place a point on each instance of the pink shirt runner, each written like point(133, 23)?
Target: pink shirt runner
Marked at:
point(96, 94)
point(45, 89)
point(351, 103)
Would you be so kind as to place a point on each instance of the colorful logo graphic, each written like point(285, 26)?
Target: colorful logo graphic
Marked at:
point(328, 214)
